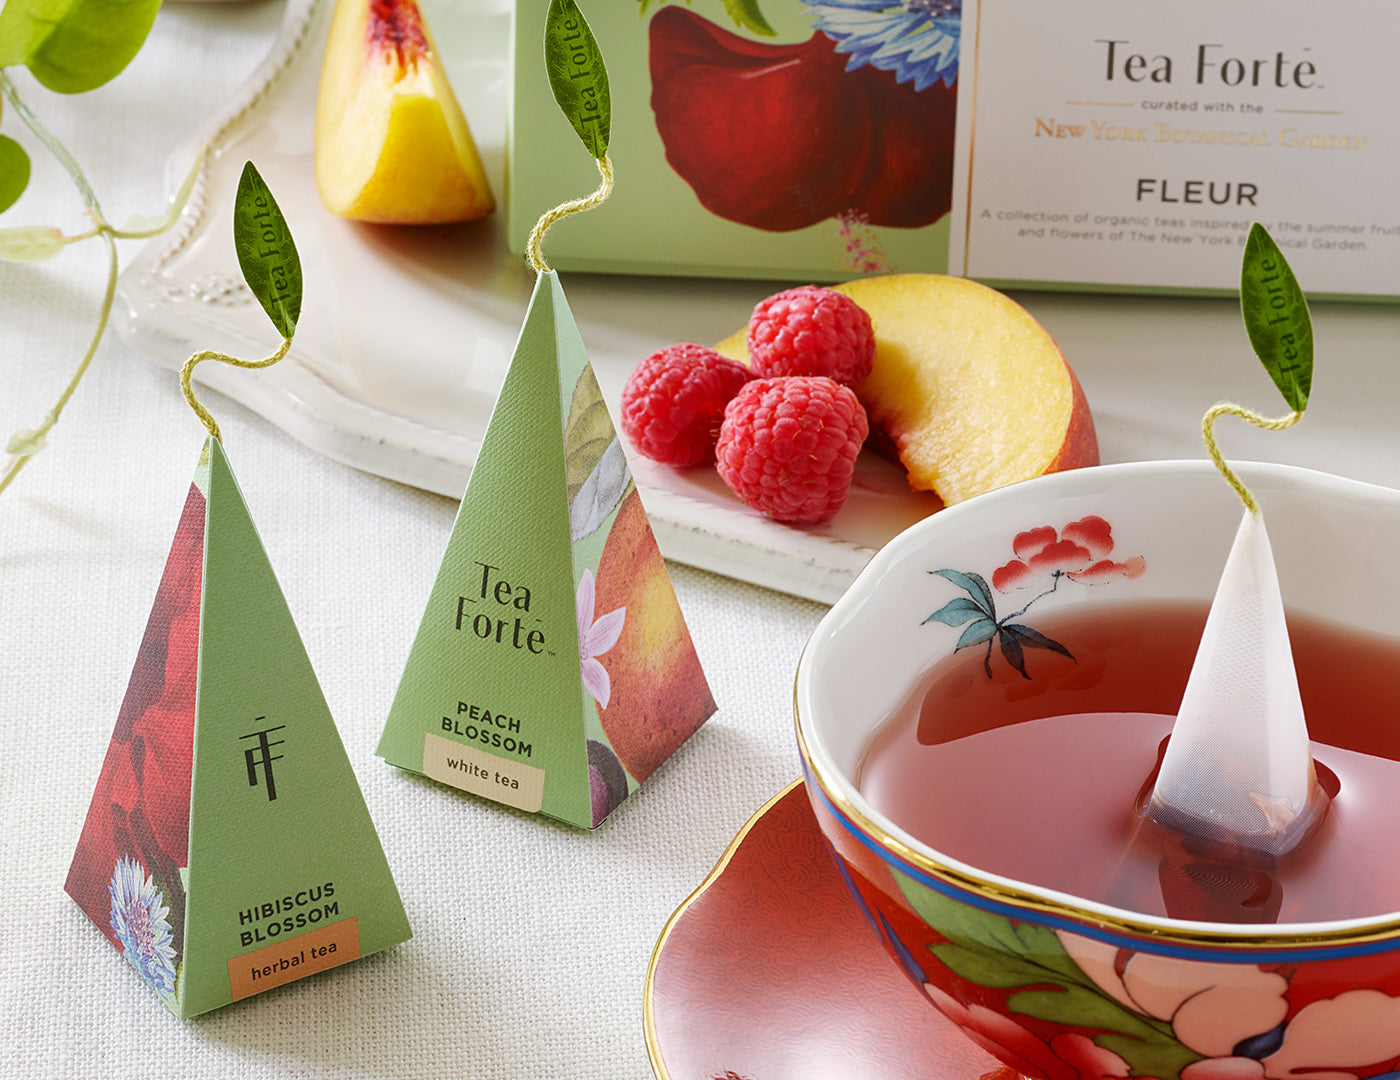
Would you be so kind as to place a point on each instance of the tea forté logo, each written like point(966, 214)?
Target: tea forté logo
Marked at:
point(259, 756)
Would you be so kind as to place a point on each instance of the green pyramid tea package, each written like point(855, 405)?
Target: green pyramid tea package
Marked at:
point(227, 848)
point(553, 670)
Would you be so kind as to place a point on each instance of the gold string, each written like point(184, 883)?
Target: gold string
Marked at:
point(188, 370)
point(1208, 433)
point(573, 206)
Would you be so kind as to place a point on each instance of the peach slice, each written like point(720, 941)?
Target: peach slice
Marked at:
point(392, 145)
point(968, 389)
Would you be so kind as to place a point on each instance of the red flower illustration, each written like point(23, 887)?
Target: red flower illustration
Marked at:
point(1079, 551)
point(141, 805)
point(781, 136)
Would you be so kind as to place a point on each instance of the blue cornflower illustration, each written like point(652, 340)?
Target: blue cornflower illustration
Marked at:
point(915, 39)
point(139, 921)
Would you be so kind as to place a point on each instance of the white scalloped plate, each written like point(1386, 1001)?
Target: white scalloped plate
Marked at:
point(405, 334)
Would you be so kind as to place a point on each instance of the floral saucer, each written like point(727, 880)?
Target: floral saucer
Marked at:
point(769, 972)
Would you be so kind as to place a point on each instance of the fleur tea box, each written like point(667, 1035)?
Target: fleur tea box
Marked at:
point(1096, 147)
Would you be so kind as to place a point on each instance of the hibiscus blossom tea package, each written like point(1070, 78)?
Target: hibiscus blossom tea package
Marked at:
point(552, 670)
point(227, 848)
point(1090, 148)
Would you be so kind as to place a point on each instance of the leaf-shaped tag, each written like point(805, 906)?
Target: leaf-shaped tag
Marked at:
point(1276, 317)
point(577, 76)
point(72, 46)
point(267, 255)
point(14, 172)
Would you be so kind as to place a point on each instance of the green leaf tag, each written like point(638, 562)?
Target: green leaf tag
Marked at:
point(577, 76)
point(72, 46)
point(14, 172)
point(1276, 317)
point(267, 255)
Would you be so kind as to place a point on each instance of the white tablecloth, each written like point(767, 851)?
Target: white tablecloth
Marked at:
point(531, 938)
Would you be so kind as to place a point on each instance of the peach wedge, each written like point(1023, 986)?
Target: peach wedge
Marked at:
point(392, 145)
point(967, 388)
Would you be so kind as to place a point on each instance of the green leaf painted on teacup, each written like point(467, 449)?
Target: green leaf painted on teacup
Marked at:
point(979, 633)
point(72, 46)
point(1276, 317)
point(1163, 1057)
point(975, 585)
point(14, 172)
point(971, 926)
point(267, 254)
point(994, 951)
point(577, 75)
point(959, 610)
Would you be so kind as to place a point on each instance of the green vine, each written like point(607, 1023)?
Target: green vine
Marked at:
point(69, 46)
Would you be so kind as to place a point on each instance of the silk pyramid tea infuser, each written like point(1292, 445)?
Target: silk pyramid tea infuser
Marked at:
point(1238, 768)
point(553, 670)
point(227, 848)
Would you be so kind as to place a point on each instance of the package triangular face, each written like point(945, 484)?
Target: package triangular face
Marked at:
point(227, 848)
point(553, 670)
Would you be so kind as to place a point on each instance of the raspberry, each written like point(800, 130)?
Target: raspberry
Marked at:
point(812, 331)
point(673, 403)
point(788, 446)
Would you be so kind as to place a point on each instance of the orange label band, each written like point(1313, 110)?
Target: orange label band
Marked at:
point(294, 958)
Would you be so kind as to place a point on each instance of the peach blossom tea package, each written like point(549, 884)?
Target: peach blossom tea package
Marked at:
point(1096, 147)
point(552, 670)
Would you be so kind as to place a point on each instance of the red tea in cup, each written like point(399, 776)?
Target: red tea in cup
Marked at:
point(1039, 778)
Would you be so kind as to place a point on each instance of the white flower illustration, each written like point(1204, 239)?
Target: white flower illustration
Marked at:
point(594, 639)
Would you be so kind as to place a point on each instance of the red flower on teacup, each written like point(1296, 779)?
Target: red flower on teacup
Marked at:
point(1080, 551)
point(1067, 1056)
point(1237, 1016)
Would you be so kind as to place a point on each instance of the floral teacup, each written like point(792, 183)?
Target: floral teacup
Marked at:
point(1055, 985)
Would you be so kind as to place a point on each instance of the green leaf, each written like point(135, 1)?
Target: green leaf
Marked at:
point(577, 75)
point(1034, 639)
point(267, 255)
point(1276, 317)
point(746, 14)
point(30, 243)
point(979, 632)
point(957, 611)
point(1160, 1057)
point(974, 585)
point(969, 925)
point(587, 431)
point(72, 46)
point(14, 172)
